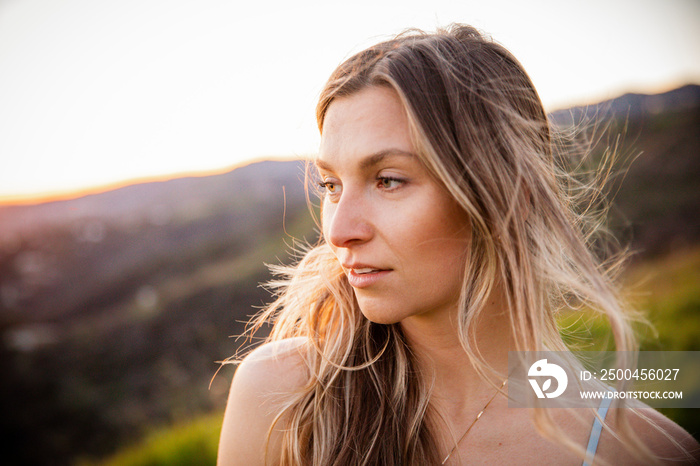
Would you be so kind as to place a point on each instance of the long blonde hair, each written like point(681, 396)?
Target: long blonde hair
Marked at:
point(480, 129)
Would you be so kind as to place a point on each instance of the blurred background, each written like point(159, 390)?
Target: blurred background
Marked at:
point(151, 164)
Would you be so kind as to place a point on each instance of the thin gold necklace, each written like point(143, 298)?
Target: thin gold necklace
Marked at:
point(474, 422)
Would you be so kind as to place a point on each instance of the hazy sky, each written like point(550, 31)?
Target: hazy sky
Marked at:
point(95, 91)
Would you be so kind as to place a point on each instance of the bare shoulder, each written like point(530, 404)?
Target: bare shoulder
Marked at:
point(257, 393)
point(664, 438)
point(281, 362)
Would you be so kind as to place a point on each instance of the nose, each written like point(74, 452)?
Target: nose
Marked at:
point(346, 223)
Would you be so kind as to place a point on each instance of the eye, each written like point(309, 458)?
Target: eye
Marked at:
point(389, 183)
point(329, 187)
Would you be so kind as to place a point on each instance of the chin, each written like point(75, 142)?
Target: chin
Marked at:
point(380, 314)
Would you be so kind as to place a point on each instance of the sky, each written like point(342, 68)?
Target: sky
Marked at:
point(97, 93)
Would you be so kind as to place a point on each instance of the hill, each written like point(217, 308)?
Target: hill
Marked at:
point(115, 307)
point(655, 191)
point(632, 106)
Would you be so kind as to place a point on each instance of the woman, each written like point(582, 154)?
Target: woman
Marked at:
point(449, 238)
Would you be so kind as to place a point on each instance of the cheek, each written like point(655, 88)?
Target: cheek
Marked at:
point(441, 240)
point(326, 214)
point(438, 227)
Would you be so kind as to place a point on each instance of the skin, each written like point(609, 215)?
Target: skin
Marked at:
point(382, 212)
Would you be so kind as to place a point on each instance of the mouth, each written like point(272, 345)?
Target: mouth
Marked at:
point(363, 276)
point(364, 270)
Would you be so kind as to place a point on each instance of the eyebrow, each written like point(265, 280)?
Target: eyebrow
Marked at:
point(370, 160)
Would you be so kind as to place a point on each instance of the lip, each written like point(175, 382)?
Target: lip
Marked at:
point(363, 280)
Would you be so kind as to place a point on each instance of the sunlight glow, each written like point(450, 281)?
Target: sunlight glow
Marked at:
point(98, 93)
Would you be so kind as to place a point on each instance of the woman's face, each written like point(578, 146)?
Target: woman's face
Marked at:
point(399, 236)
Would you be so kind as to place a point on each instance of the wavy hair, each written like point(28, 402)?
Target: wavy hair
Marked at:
point(480, 129)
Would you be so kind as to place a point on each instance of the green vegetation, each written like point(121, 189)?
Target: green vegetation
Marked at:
point(666, 291)
point(669, 289)
point(187, 444)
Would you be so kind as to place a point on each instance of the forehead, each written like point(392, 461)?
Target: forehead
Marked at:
point(364, 123)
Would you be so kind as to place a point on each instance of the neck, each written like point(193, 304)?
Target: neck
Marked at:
point(445, 364)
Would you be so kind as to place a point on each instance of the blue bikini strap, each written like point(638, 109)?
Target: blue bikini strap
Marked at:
point(595, 431)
